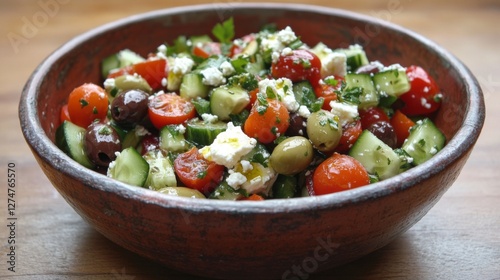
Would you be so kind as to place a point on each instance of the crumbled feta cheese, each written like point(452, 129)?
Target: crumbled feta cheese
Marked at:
point(162, 50)
point(395, 66)
point(209, 118)
point(229, 146)
point(182, 65)
point(180, 128)
point(141, 131)
point(275, 56)
point(109, 83)
point(235, 179)
point(227, 68)
point(282, 88)
point(333, 64)
point(246, 166)
point(286, 36)
point(346, 112)
point(433, 151)
point(304, 112)
point(424, 103)
point(286, 51)
point(212, 77)
point(276, 42)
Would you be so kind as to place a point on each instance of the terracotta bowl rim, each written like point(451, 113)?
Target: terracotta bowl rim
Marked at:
point(51, 155)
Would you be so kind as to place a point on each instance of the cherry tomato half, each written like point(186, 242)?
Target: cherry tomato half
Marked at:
point(350, 133)
point(424, 96)
point(87, 103)
point(267, 121)
point(339, 173)
point(196, 172)
point(169, 108)
point(297, 66)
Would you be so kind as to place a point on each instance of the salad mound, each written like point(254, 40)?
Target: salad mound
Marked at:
point(258, 117)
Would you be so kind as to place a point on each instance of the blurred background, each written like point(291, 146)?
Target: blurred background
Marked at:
point(458, 239)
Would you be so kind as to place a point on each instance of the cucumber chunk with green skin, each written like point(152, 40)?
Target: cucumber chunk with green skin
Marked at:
point(172, 139)
point(192, 86)
point(226, 101)
point(118, 60)
point(129, 167)
point(202, 106)
point(203, 133)
point(161, 171)
point(369, 96)
point(376, 156)
point(424, 141)
point(392, 82)
point(70, 139)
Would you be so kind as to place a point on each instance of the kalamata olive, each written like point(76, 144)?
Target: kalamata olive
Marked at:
point(130, 107)
point(292, 155)
point(101, 143)
point(182, 191)
point(324, 130)
point(297, 126)
point(385, 132)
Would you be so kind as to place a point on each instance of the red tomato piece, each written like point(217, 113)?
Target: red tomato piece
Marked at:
point(266, 121)
point(339, 173)
point(424, 96)
point(350, 134)
point(297, 66)
point(372, 115)
point(207, 49)
point(196, 172)
point(401, 124)
point(64, 116)
point(153, 71)
point(87, 103)
point(328, 92)
point(169, 108)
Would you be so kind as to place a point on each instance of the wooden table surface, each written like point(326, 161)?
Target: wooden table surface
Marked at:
point(458, 239)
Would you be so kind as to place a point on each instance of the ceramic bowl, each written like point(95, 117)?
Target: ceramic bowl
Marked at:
point(246, 239)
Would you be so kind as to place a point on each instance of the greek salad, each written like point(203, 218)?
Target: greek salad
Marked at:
point(257, 117)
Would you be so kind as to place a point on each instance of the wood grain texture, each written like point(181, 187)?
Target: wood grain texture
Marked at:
point(458, 239)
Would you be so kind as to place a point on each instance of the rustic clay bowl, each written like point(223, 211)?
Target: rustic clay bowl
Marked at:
point(254, 240)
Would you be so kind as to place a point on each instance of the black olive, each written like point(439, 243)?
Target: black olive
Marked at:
point(385, 132)
point(129, 107)
point(297, 126)
point(101, 143)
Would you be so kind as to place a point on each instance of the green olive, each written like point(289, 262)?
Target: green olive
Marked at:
point(292, 155)
point(181, 191)
point(324, 130)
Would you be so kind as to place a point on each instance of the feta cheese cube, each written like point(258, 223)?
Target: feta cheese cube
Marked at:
point(346, 112)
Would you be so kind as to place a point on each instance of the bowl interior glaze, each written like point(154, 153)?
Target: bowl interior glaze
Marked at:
point(225, 239)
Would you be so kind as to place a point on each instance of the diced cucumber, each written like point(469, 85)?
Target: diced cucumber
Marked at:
point(225, 192)
point(202, 106)
point(118, 60)
point(257, 66)
point(203, 133)
point(376, 156)
point(161, 171)
point(133, 137)
point(172, 139)
point(356, 57)
point(393, 82)
point(129, 167)
point(225, 101)
point(369, 97)
point(70, 138)
point(285, 187)
point(192, 86)
point(213, 61)
point(304, 95)
point(424, 141)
